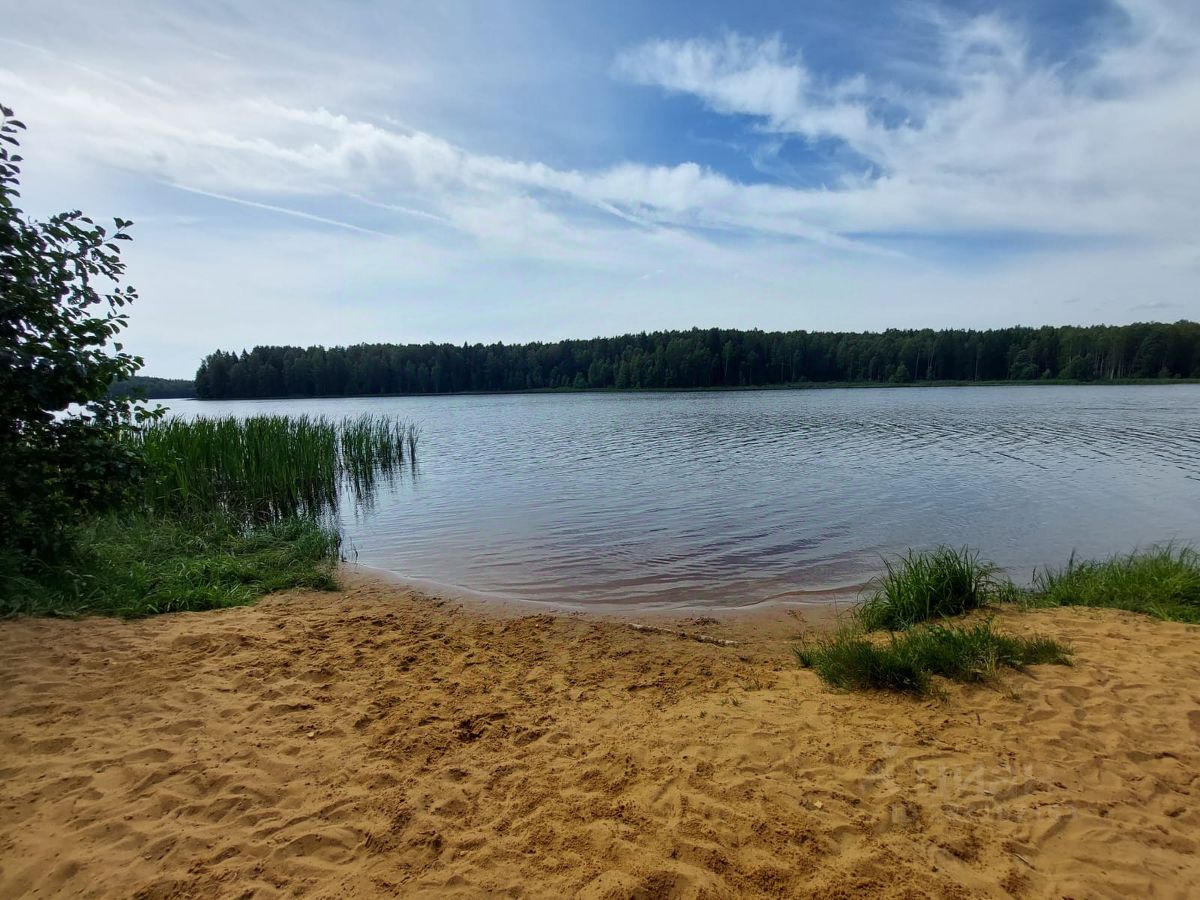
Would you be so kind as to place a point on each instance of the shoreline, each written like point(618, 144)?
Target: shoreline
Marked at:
point(721, 389)
point(761, 625)
point(372, 741)
point(824, 605)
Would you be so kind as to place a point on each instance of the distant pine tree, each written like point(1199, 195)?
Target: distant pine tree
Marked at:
point(142, 386)
point(710, 358)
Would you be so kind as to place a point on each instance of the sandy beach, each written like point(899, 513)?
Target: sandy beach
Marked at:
point(376, 742)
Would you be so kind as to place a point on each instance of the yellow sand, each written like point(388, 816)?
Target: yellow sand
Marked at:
point(373, 742)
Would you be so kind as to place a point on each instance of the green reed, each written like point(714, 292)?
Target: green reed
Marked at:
point(268, 468)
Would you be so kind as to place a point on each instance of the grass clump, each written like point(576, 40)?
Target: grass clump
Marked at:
point(908, 661)
point(976, 653)
point(851, 662)
point(135, 565)
point(1163, 582)
point(929, 585)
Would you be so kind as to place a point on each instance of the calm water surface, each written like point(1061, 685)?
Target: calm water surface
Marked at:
point(731, 499)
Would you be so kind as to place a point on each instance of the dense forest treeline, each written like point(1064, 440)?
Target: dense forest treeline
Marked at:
point(714, 357)
point(150, 388)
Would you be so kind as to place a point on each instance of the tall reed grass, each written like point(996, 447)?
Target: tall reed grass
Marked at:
point(269, 468)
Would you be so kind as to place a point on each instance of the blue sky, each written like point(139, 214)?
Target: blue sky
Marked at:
point(304, 172)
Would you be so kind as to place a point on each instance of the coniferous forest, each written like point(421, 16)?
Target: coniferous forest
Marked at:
point(711, 358)
point(151, 388)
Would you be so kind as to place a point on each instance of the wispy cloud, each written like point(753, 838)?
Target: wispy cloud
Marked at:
point(1156, 306)
point(271, 207)
point(1006, 143)
point(738, 74)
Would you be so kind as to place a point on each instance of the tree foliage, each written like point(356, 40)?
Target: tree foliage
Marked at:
point(61, 305)
point(704, 358)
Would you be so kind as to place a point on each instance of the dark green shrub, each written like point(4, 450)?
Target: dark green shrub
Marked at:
point(61, 305)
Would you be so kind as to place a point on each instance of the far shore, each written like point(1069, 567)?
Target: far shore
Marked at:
point(375, 740)
point(796, 386)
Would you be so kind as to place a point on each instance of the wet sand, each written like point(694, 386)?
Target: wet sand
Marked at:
point(374, 741)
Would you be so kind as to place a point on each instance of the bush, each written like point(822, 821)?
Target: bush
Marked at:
point(218, 523)
point(923, 586)
point(61, 303)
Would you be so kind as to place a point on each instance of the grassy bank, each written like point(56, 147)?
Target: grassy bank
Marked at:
point(135, 565)
point(1163, 582)
point(1160, 581)
point(226, 510)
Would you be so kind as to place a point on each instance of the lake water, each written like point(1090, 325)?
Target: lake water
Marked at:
point(730, 499)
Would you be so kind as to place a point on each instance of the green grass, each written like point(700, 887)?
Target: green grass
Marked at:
point(230, 510)
point(849, 661)
point(136, 565)
point(268, 468)
point(930, 585)
point(908, 661)
point(1163, 582)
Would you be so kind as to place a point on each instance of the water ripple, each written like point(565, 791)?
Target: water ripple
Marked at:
point(731, 499)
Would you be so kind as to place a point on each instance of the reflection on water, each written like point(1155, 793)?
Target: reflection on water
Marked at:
point(730, 499)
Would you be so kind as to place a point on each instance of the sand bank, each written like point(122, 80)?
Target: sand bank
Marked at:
point(375, 742)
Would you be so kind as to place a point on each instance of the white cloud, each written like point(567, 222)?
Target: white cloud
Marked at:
point(1007, 142)
point(736, 74)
